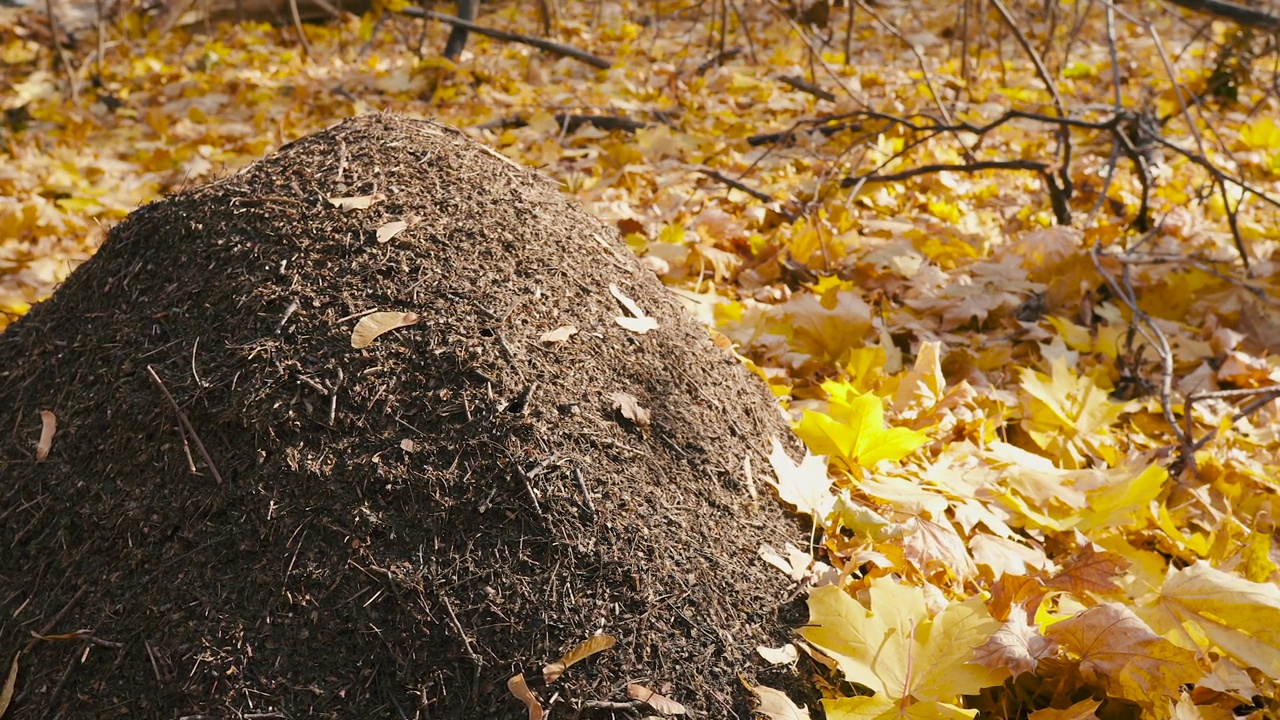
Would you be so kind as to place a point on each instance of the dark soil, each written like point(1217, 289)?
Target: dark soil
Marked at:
point(310, 561)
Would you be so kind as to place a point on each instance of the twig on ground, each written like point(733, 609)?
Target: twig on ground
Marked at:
point(55, 40)
point(1151, 331)
point(740, 186)
point(467, 648)
point(803, 85)
point(186, 425)
point(1064, 131)
point(297, 25)
point(1056, 193)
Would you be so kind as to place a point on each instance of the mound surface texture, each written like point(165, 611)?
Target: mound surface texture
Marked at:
point(250, 517)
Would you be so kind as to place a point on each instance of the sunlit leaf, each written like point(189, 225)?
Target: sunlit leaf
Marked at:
point(1234, 615)
point(560, 334)
point(1117, 649)
point(374, 324)
point(517, 686)
point(595, 644)
point(775, 705)
point(360, 202)
point(630, 408)
point(805, 486)
point(897, 648)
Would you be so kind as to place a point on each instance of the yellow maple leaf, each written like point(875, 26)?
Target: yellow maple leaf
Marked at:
point(805, 486)
point(1069, 415)
point(1261, 134)
point(878, 707)
point(898, 650)
point(853, 430)
point(1210, 607)
point(1051, 498)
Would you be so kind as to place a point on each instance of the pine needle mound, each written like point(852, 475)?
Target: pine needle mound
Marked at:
point(248, 516)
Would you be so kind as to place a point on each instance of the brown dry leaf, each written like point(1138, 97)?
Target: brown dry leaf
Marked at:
point(48, 426)
point(374, 324)
point(1090, 571)
point(391, 229)
point(6, 693)
point(630, 408)
point(1118, 649)
point(359, 202)
point(659, 703)
point(584, 650)
point(775, 705)
point(520, 689)
point(1016, 646)
point(1011, 591)
point(560, 334)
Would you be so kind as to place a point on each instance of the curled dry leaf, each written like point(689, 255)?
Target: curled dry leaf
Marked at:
point(359, 202)
point(585, 649)
point(391, 229)
point(48, 426)
point(560, 334)
point(626, 404)
point(784, 655)
point(639, 322)
point(520, 689)
point(626, 302)
point(659, 703)
point(775, 705)
point(374, 324)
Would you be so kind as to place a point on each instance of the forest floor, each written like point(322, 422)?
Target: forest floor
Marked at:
point(1040, 386)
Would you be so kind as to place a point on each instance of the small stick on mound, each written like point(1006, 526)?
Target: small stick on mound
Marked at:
point(186, 425)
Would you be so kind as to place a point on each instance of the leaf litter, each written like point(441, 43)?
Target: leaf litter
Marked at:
point(1032, 429)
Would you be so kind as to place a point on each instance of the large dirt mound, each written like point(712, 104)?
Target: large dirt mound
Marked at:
point(255, 519)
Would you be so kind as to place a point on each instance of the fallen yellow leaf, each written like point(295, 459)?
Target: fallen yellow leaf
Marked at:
point(585, 649)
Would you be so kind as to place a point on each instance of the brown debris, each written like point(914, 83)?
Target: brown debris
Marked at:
point(331, 572)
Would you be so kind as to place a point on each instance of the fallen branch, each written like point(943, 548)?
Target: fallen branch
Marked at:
point(1057, 197)
point(803, 85)
point(789, 215)
point(551, 47)
point(569, 123)
point(789, 135)
point(1238, 14)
